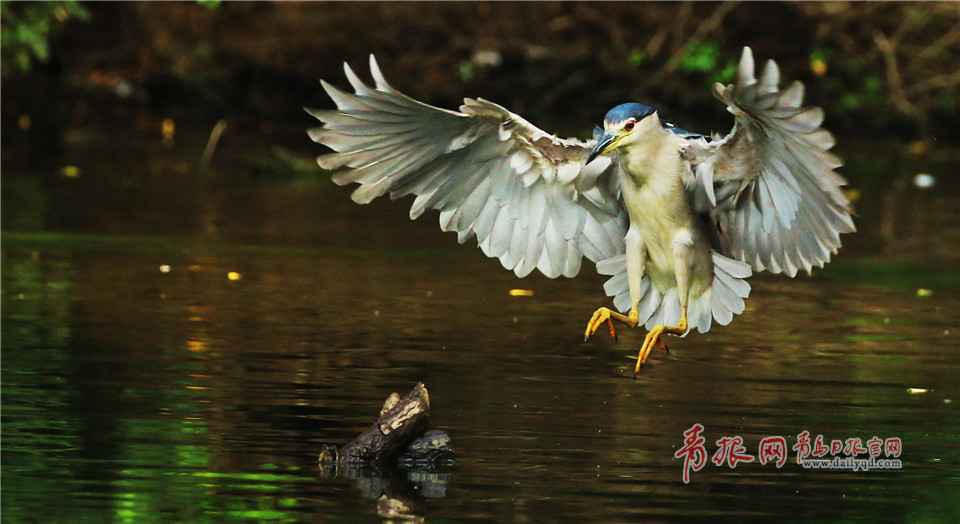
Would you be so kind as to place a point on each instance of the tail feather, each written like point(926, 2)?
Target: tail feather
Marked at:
point(720, 302)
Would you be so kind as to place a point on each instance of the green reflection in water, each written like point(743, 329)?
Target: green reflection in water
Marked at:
point(91, 436)
point(105, 406)
point(895, 276)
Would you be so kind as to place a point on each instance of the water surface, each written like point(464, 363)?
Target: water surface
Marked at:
point(177, 346)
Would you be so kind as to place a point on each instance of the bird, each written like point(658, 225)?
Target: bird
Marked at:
point(677, 220)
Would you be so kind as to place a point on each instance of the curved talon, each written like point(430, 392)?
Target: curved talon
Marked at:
point(606, 315)
point(599, 317)
point(653, 337)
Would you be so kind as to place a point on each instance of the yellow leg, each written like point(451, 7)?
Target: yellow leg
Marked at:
point(604, 315)
point(653, 337)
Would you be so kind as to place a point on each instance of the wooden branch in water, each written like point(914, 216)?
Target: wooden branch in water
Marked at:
point(401, 421)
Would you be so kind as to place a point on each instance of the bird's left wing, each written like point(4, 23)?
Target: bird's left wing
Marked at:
point(770, 184)
point(525, 195)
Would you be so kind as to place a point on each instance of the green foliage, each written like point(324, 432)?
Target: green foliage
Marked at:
point(947, 102)
point(202, 52)
point(703, 57)
point(27, 28)
point(824, 54)
point(728, 72)
point(858, 83)
point(466, 72)
point(636, 57)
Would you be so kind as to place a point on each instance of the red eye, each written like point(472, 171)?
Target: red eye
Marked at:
point(629, 125)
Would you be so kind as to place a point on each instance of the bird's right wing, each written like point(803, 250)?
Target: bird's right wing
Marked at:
point(527, 196)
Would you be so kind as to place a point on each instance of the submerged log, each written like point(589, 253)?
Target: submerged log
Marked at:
point(396, 460)
point(401, 421)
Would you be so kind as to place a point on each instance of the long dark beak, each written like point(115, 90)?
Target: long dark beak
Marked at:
point(602, 145)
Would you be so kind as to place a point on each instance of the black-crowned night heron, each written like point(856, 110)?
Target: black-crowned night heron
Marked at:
point(678, 220)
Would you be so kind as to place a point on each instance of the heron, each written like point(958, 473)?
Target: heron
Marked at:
point(678, 220)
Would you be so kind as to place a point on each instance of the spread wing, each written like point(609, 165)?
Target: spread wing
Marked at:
point(770, 184)
point(525, 195)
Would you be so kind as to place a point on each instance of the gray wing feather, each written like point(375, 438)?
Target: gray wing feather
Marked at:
point(770, 184)
point(526, 196)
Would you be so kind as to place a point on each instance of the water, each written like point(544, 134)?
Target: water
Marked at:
point(135, 394)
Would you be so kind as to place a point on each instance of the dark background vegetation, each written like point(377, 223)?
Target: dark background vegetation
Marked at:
point(186, 320)
point(879, 69)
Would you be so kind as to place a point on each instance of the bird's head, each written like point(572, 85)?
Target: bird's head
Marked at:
point(622, 125)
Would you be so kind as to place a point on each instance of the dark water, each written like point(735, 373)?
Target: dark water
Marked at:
point(131, 394)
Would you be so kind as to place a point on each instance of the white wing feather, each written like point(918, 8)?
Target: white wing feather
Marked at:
point(525, 195)
point(770, 184)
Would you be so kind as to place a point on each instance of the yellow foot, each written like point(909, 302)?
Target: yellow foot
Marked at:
point(599, 317)
point(605, 315)
point(653, 337)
